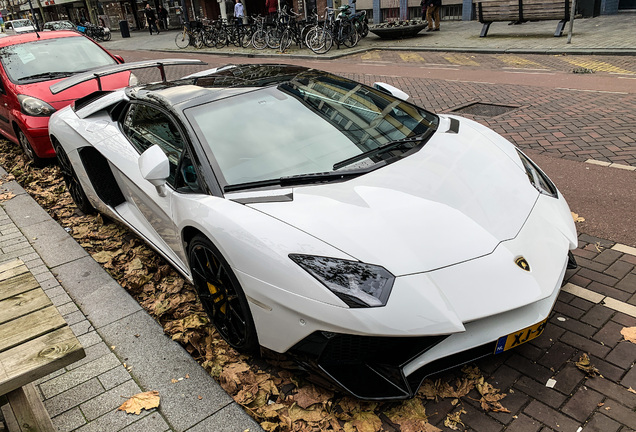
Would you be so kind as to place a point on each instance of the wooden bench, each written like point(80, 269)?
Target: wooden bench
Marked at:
point(520, 11)
point(34, 341)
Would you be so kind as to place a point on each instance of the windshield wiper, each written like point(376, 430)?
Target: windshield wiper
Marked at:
point(49, 75)
point(393, 145)
point(299, 179)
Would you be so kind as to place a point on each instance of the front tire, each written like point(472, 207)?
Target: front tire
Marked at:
point(221, 295)
point(29, 152)
point(73, 184)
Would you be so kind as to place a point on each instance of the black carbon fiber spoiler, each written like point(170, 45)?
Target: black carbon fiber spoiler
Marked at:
point(98, 73)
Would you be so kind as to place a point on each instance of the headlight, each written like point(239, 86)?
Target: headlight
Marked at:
point(35, 107)
point(539, 180)
point(132, 80)
point(357, 284)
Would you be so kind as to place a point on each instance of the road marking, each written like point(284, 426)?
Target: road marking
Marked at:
point(371, 55)
point(530, 73)
point(597, 298)
point(471, 82)
point(596, 65)
point(443, 68)
point(626, 78)
point(528, 69)
point(374, 64)
point(611, 165)
point(460, 59)
point(411, 57)
point(516, 60)
point(624, 249)
point(592, 91)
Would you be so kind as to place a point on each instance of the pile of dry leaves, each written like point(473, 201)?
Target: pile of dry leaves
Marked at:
point(280, 399)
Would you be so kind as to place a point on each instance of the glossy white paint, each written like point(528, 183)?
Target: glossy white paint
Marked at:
point(448, 221)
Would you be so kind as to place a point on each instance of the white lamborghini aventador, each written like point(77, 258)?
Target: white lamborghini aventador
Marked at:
point(374, 240)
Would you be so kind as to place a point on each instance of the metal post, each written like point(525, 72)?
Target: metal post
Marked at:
point(571, 20)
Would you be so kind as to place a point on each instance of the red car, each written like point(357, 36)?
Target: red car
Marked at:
point(29, 64)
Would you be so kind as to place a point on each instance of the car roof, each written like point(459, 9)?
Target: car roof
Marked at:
point(224, 82)
point(34, 36)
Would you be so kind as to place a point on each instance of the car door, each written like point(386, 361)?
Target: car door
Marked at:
point(5, 107)
point(145, 125)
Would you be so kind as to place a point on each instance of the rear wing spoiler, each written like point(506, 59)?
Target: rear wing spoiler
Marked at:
point(101, 72)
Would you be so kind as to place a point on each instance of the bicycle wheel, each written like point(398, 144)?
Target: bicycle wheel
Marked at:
point(107, 36)
point(304, 32)
point(258, 39)
point(197, 40)
point(350, 36)
point(246, 37)
point(221, 38)
point(182, 39)
point(319, 40)
point(285, 41)
point(272, 37)
point(209, 38)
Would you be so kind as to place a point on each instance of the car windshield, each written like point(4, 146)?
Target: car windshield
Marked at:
point(21, 23)
point(311, 124)
point(47, 59)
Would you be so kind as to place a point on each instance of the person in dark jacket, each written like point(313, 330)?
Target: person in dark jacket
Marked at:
point(151, 18)
point(163, 17)
point(432, 13)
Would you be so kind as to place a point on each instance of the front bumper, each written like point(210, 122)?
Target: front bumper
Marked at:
point(393, 368)
point(36, 130)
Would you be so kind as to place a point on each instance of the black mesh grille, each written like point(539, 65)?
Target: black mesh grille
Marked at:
point(485, 110)
point(101, 176)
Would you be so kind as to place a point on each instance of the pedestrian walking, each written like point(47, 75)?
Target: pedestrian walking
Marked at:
point(272, 6)
point(423, 5)
point(151, 18)
point(163, 17)
point(432, 13)
point(238, 11)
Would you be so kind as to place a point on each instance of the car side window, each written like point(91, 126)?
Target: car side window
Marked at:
point(146, 126)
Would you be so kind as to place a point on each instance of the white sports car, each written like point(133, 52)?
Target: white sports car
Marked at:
point(374, 240)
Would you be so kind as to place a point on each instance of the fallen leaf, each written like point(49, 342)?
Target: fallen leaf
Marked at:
point(453, 420)
point(586, 366)
point(631, 390)
point(6, 196)
point(174, 381)
point(147, 400)
point(577, 218)
point(629, 333)
point(310, 394)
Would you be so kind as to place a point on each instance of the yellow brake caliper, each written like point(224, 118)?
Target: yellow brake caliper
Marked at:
point(213, 290)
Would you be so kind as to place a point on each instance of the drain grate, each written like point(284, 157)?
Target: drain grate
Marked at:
point(484, 109)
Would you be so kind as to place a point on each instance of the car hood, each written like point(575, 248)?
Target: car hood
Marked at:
point(454, 200)
point(42, 91)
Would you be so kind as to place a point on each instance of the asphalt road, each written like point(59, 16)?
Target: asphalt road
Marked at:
point(563, 111)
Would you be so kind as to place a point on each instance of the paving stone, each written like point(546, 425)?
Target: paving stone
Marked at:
point(624, 320)
point(55, 248)
point(608, 256)
point(609, 291)
point(579, 280)
point(620, 413)
point(556, 355)
point(630, 378)
point(113, 421)
point(582, 404)
point(114, 377)
point(92, 353)
point(230, 419)
point(110, 400)
point(575, 326)
point(568, 378)
point(582, 304)
point(73, 397)
point(627, 284)
point(612, 390)
point(162, 360)
point(608, 370)
point(601, 423)
point(67, 308)
point(82, 327)
point(504, 377)
point(89, 339)
point(549, 336)
point(60, 299)
point(513, 402)
point(50, 376)
point(619, 269)
point(69, 420)
point(79, 375)
point(523, 423)
point(539, 391)
point(597, 315)
point(584, 344)
point(530, 352)
point(550, 417)
point(598, 277)
point(623, 355)
point(151, 423)
point(568, 310)
point(74, 317)
point(610, 334)
point(529, 368)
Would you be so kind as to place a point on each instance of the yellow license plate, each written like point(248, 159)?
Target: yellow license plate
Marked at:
point(522, 336)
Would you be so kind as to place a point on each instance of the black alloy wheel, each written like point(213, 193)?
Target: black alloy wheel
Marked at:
point(72, 182)
point(29, 152)
point(221, 295)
